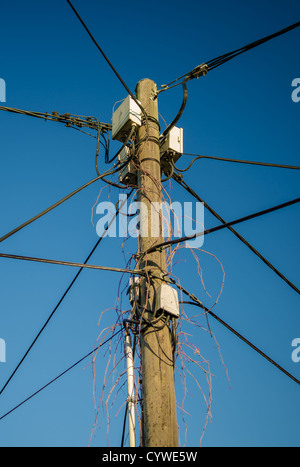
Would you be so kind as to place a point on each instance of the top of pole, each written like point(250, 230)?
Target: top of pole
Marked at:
point(145, 82)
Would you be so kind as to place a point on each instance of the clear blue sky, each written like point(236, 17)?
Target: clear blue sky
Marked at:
point(241, 110)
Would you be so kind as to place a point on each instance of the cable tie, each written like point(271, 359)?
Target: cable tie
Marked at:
point(131, 400)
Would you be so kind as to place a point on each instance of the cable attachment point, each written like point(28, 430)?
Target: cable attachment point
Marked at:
point(200, 70)
point(178, 176)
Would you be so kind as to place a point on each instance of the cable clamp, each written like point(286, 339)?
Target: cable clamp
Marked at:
point(131, 400)
point(178, 176)
point(200, 70)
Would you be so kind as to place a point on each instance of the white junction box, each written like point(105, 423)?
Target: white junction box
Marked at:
point(123, 117)
point(127, 175)
point(173, 143)
point(167, 300)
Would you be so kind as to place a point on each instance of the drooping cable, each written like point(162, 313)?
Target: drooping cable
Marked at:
point(201, 70)
point(121, 164)
point(129, 137)
point(180, 112)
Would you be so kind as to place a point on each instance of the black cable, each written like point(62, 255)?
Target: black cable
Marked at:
point(197, 302)
point(60, 375)
point(60, 301)
point(68, 119)
point(201, 70)
point(71, 264)
point(127, 140)
point(218, 61)
point(180, 112)
point(109, 63)
point(100, 49)
point(168, 243)
point(46, 211)
point(244, 340)
point(239, 236)
point(124, 426)
point(225, 159)
point(121, 164)
point(214, 63)
point(105, 56)
point(107, 146)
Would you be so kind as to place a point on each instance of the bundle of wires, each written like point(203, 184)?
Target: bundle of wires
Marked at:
point(220, 60)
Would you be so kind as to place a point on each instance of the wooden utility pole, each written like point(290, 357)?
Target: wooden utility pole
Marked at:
point(159, 403)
